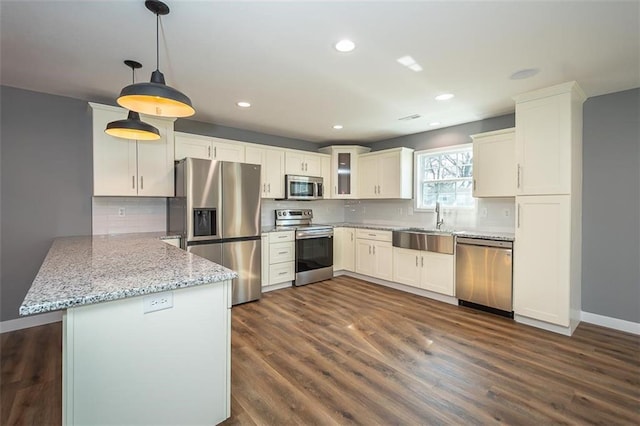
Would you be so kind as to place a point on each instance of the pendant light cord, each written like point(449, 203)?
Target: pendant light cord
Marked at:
point(157, 41)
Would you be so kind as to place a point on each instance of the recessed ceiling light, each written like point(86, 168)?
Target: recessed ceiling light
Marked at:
point(444, 97)
point(410, 63)
point(337, 126)
point(345, 46)
point(524, 73)
point(243, 104)
point(434, 123)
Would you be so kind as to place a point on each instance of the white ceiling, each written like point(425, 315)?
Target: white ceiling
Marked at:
point(279, 56)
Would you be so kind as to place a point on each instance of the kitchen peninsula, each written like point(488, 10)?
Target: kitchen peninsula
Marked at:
point(146, 330)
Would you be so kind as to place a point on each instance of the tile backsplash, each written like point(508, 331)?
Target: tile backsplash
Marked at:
point(120, 215)
point(142, 214)
point(490, 214)
point(324, 211)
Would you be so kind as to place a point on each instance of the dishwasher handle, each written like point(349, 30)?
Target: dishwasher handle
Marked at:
point(484, 243)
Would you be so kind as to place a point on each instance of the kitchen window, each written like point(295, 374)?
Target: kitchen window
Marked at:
point(444, 175)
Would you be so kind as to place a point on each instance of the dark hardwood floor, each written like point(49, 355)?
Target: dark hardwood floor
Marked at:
point(345, 351)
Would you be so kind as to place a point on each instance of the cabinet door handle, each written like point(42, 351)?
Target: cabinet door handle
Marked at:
point(269, 188)
point(416, 260)
point(141, 183)
point(518, 215)
point(369, 249)
point(374, 249)
point(378, 189)
point(208, 152)
point(133, 182)
point(335, 189)
point(282, 236)
point(474, 184)
point(352, 236)
point(215, 152)
point(422, 261)
point(283, 273)
point(283, 252)
point(518, 180)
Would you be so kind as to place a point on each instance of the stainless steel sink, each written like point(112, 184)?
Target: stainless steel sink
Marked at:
point(421, 239)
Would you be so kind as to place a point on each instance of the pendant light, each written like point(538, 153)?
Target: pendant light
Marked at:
point(132, 127)
point(155, 97)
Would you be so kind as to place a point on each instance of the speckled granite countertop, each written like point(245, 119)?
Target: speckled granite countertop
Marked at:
point(85, 270)
point(503, 236)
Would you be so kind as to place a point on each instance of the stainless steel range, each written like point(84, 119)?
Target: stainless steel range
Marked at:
point(314, 245)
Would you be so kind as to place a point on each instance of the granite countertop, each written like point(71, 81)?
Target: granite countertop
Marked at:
point(494, 235)
point(92, 269)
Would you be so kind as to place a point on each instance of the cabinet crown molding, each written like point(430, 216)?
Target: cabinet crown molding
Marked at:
point(493, 133)
point(569, 87)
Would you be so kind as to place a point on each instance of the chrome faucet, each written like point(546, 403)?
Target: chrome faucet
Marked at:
point(439, 220)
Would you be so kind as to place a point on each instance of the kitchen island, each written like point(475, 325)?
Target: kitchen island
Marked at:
point(146, 330)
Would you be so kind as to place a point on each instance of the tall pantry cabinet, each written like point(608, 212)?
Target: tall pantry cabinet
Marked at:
point(547, 262)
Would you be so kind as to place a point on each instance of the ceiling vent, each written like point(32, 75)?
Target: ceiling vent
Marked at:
point(410, 117)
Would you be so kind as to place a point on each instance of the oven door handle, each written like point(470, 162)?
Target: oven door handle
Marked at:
point(308, 236)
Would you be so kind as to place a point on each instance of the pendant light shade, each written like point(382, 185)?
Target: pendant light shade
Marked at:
point(155, 97)
point(132, 127)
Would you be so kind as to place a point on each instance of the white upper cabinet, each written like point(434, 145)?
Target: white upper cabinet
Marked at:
point(271, 161)
point(208, 148)
point(547, 139)
point(344, 170)
point(386, 174)
point(494, 164)
point(123, 167)
point(303, 163)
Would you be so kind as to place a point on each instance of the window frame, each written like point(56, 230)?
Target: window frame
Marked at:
point(417, 172)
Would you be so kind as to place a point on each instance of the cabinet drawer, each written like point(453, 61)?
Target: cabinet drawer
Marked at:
point(280, 237)
point(281, 272)
point(281, 252)
point(371, 234)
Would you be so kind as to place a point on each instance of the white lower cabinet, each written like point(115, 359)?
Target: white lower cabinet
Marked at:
point(344, 249)
point(542, 279)
point(424, 269)
point(374, 254)
point(281, 257)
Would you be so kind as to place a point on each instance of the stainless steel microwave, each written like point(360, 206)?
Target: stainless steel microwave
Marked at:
point(303, 187)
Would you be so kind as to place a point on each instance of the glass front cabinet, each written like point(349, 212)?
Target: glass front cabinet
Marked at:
point(344, 169)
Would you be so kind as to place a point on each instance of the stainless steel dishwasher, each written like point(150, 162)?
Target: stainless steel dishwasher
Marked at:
point(484, 274)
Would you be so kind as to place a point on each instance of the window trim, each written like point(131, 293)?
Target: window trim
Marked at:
point(416, 174)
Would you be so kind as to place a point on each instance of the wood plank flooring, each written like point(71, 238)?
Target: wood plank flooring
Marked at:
point(345, 351)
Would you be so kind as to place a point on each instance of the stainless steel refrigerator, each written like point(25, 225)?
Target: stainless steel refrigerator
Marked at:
point(216, 210)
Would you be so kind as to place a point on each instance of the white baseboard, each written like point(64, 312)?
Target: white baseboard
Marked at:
point(279, 286)
point(609, 322)
point(30, 321)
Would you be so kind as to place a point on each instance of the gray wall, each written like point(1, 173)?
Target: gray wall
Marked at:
point(447, 136)
point(46, 179)
point(209, 129)
point(611, 197)
point(46, 183)
point(45, 174)
point(611, 206)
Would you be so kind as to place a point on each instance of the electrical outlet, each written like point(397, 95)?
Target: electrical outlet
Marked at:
point(483, 212)
point(506, 212)
point(121, 211)
point(157, 302)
